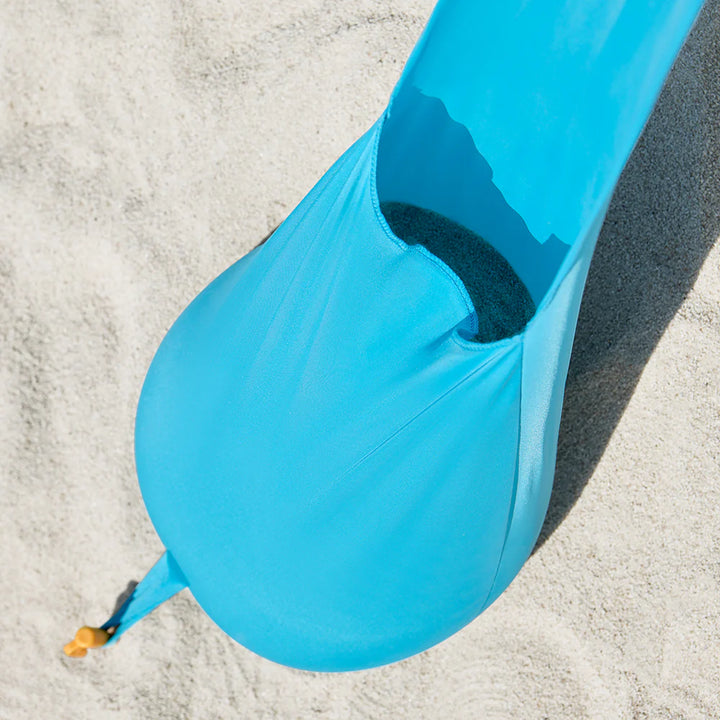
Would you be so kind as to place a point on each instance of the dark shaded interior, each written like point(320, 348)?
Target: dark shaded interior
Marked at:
point(428, 161)
point(503, 305)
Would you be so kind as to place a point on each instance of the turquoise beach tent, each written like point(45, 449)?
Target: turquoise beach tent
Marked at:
point(347, 441)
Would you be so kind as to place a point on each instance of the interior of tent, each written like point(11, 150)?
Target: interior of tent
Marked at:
point(436, 189)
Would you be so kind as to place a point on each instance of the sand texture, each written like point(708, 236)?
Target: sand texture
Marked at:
point(144, 147)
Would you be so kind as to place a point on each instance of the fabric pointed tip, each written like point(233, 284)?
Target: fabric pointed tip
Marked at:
point(164, 580)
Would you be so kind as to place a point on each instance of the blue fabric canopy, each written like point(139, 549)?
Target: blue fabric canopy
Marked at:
point(342, 474)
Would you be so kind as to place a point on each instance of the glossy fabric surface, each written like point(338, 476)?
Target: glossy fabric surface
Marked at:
point(343, 479)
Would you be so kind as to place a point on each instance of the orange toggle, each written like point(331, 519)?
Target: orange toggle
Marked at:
point(86, 637)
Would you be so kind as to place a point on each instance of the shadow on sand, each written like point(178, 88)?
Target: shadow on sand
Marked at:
point(663, 221)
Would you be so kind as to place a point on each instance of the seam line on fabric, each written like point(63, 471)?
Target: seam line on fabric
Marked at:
point(411, 420)
point(513, 497)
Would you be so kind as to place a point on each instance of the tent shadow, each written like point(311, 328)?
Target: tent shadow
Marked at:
point(266, 238)
point(124, 595)
point(663, 220)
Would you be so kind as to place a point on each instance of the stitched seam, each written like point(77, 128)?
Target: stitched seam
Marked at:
point(374, 199)
point(513, 497)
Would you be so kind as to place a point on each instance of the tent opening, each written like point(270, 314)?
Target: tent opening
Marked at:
point(436, 189)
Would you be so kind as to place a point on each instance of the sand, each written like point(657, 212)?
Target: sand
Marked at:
point(146, 146)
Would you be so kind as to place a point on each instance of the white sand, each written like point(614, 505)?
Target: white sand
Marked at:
point(142, 150)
